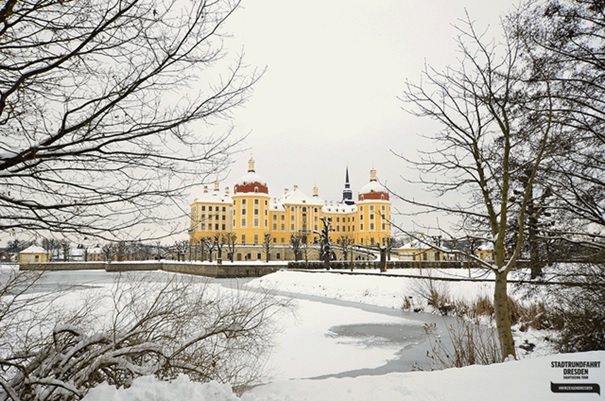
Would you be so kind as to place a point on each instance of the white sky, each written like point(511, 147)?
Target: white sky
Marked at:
point(334, 71)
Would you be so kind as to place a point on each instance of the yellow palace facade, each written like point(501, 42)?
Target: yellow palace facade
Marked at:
point(252, 216)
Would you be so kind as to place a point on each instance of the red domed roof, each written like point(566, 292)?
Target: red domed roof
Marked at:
point(251, 182)
point(373, 190)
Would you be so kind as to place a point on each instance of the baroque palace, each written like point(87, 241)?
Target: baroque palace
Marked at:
point(252, 216)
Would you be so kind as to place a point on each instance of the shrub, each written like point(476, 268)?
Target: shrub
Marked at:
point(162, 325)
point(467, 343)
point(577, 308)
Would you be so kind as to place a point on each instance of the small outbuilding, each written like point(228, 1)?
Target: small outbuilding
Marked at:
point(33, 254)
point(416, 250)
point(485, 251)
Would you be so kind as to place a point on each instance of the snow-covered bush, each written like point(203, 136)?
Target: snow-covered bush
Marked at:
point(164, 326)
point(577, 307)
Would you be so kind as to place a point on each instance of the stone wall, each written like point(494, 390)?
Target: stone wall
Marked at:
point(200, 269)
point(52, 266)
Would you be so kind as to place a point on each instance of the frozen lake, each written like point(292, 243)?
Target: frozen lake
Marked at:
point(323, 338)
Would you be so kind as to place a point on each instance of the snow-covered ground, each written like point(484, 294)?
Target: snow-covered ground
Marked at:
point(315, 360)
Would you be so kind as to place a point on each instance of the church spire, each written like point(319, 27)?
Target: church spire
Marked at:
point(347, 194)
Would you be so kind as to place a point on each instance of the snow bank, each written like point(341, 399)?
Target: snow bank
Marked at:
point(377, 290)
point(518, 380)
point(148, 388)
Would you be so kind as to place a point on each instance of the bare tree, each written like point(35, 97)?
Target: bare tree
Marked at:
point(496, 124)
point(210, 244)
point(230, 239)
point(109, 251)
point(180, 247)
point(66, 249)
point(346, 245)
point(219, 242)
point(152, 327)
point(52, 246)
point(267, 246)
point(105, 110)
point(567, 39)
point(296, 241)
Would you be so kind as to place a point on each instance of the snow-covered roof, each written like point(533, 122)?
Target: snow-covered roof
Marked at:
point(413, 246)
point(486, 246)
point(76, 252)
point(276, 205)
point(34, 249)
point(97, 250)
point(214, 196)
point(294, 197)
point(338, 207)
point(298, 197)
point(251, 177)
point(372, 186)
point(373, 190)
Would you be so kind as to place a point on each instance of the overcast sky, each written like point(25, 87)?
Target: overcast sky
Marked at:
point(334, 70)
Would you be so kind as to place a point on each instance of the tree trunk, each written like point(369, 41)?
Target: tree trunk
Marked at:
point(502, 315)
